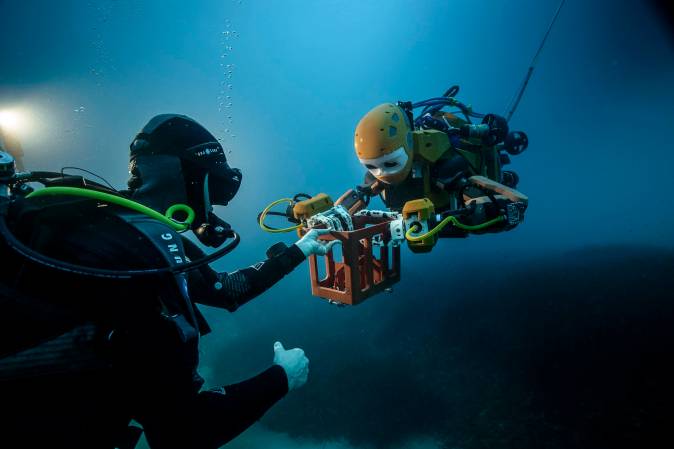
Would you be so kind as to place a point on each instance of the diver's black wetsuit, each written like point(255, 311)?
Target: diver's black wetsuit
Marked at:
point(119, 349)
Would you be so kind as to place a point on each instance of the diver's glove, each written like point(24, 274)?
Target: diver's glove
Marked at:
point(294, 363)
point(310, 245)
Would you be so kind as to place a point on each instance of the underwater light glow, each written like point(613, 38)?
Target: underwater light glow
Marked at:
point(12, 120)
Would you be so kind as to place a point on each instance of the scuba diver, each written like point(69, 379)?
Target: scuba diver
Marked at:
point(439, 166)
point(100, 324)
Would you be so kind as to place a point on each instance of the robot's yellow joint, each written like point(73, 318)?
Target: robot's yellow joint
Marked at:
point(417, 214)
point(312, 206)
point(299, 211)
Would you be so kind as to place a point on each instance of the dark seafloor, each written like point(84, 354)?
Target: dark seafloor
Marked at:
point(563, 350)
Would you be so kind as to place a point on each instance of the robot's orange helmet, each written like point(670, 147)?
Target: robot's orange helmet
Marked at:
point(383, 142)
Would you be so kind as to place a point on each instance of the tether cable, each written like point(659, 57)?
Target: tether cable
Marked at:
point(516, 101)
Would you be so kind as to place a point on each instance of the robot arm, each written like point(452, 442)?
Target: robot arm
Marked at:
point(485, 199)
point(354, 200)
point(488, 207)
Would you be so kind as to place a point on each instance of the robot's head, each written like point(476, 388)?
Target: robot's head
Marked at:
point(383, 143)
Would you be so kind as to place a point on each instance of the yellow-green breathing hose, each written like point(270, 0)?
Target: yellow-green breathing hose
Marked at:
point(266, 210)
point(167, 219)
point(451, 219)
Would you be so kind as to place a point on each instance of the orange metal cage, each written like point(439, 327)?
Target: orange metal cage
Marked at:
point(366, 268)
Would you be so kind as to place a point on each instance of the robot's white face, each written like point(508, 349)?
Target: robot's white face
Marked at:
point(388, 164)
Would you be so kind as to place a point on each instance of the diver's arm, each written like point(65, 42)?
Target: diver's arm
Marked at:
point(232, 290)
point(210, 419)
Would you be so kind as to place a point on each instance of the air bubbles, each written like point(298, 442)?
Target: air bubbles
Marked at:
point(79, 109)
point(228, 69)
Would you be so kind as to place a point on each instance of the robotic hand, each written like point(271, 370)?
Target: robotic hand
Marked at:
point(514, 213)
point(310, 245)
point(294, 363)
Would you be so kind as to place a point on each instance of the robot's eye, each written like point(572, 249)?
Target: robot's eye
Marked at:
point(370, 166)
point(390, 164)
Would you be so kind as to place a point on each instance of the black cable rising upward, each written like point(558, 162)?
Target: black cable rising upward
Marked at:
point(516, 100)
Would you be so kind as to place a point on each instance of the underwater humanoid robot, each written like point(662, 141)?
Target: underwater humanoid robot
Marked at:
point(443, 172)
point(438, 174)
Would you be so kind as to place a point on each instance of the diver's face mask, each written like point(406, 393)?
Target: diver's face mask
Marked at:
point(221, 182)
point(218, 183)
point(222, 188)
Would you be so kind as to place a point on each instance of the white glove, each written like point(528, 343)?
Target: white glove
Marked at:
point(294, 363)
point(309, 243)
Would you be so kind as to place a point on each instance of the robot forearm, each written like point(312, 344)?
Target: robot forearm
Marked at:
point(354, 200)
point(486, 199)
point(484, 210)
point(489, 207)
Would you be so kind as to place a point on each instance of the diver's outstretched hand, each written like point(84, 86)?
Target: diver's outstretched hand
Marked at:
point(310, 245)
point(294, 363)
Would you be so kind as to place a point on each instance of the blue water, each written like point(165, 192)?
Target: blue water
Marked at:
point(283, 85)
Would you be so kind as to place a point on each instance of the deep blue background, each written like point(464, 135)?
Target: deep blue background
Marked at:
point(599, 113)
